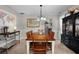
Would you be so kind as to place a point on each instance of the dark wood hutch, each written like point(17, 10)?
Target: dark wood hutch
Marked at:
point(70, 31)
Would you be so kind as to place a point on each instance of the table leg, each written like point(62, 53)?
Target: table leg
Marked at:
point(19, 37)
point(53, 46)
point(28, 46)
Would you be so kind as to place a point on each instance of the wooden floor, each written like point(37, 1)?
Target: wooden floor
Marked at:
point(20, 48)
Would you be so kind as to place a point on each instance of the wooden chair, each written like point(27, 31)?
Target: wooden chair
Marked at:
point(29, 35)
point(51, 35)
point(39, 47)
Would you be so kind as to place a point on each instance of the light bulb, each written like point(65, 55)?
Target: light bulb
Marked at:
point(43, 18)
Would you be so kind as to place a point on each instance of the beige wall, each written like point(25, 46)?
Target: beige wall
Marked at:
point(22, 25)
point(9, 12)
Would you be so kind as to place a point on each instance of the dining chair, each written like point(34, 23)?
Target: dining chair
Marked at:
point(29, 35)
point(39, 44)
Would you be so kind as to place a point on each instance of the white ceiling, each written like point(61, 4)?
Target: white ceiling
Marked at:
point(34, 10)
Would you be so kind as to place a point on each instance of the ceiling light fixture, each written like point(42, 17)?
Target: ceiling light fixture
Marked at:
point(41, 16)
point(22, 13)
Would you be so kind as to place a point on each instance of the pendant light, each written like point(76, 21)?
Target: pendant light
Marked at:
point(41, 16)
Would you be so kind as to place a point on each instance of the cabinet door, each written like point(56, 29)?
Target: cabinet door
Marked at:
point(77, 27)
point(74, 44)
point(69, 27)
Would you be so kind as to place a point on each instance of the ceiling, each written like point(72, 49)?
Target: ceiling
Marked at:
point(34, 10)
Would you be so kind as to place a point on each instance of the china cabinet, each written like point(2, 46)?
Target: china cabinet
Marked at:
point(70, 31)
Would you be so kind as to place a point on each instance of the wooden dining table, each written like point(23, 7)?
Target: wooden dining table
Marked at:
point(39, 38)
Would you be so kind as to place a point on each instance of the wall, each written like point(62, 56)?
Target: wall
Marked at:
point(9, 11)
point(56, 26)
point(22, 26)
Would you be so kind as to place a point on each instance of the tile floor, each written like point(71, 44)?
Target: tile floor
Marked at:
point(20, 48)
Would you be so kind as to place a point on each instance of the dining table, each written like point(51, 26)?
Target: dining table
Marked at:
point(39, 37)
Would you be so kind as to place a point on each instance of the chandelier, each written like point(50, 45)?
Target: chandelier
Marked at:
point(41, 16)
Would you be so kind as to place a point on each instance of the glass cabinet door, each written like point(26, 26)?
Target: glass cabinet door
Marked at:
point(77, 27)
point(69, 28)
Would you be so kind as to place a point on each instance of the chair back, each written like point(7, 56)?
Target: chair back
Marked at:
point(40, 46)
point(29, 35)
point(51, 34)
point(38, 37)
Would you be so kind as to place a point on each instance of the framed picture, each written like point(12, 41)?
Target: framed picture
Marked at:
point(33, 22)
